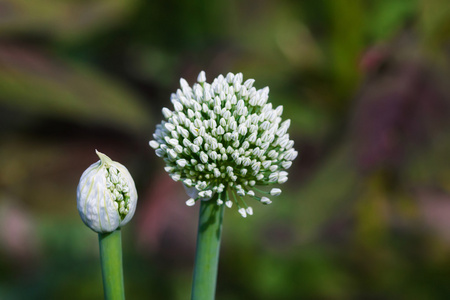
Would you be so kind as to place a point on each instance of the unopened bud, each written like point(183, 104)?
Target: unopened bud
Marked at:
point(106, 195)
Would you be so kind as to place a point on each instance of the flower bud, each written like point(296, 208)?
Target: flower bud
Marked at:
point(106, 195)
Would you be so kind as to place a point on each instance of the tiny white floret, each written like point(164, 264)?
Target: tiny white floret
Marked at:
point(265, 200)
point(249, 210)
point(190, 202)
point(201, 77)
point(275, 191)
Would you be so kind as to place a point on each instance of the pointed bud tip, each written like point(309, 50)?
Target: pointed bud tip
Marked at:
point(103, 157)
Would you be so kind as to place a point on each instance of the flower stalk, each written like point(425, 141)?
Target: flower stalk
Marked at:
point(106, 201)
point(222, 140)
point(207, 253)
point(111, 261)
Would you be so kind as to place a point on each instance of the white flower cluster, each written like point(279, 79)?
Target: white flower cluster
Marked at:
point(224, 138)
point(106, 195)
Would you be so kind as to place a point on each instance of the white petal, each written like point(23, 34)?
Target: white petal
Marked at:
point(166, 112)
point(249, 210)
point(201, 77)
point(265, 200)
point(242, 212)
point(190, 202)
point(154, 144)
point(182, 162)
point(275, 192)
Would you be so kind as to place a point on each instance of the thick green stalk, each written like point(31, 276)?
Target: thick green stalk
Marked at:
point(111, 261)
point(207, 254)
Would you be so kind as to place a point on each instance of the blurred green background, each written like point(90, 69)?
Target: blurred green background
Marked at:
point(366, 212)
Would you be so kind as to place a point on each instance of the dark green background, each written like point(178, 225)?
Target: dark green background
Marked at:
point(366, 211)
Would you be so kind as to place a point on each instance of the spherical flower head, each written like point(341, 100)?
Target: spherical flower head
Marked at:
point(225, 139)
point(106, 195)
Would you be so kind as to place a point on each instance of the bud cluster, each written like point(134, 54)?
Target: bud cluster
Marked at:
point(120, 192)
point(225, 138)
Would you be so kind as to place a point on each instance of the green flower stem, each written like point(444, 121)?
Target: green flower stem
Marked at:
point(111, 261)
point(207, 254)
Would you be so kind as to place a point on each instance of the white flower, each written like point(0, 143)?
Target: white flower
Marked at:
point(243, 212)
point(265, 200)
point(275, 192)
point(106, 195)
point(223, 139)
point(190, 202)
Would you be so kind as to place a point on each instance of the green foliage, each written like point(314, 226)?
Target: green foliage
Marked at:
point(365, 212)
point(68, 91)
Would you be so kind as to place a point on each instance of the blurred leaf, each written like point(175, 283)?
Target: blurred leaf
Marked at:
point(434, 24)
point(387, 17)
point(347, 42)
point(430, 165)
point(66, 20)
point(372, 212)
point(33, 82)
point(327, 193)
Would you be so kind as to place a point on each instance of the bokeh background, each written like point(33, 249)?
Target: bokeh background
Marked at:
point(366, 212)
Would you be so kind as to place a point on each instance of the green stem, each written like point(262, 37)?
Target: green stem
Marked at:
point(111, 261)
point(207, 254)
